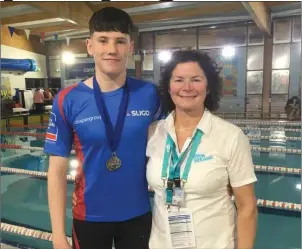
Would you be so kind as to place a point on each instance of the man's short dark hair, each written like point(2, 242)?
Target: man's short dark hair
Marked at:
point(211, 70)
point(111, 19)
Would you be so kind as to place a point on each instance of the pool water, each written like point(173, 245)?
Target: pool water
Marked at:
point(24, 198)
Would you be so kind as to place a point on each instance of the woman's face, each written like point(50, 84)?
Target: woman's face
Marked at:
point(188, 87)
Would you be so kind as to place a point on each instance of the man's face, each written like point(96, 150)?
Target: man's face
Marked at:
point(110, 51)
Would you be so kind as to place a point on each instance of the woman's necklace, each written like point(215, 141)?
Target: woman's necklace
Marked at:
point(184, 128)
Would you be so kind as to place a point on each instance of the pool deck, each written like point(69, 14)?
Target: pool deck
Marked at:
point(4, 246)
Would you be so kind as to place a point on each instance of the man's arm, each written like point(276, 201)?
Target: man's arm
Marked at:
point(58, 144)
point(57, 200)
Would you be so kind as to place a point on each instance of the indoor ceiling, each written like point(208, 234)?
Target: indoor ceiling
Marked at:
point(70, 19)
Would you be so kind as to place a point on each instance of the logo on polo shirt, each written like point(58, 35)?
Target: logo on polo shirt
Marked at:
point(139, 113)
point(89, 119)
point(201, 158)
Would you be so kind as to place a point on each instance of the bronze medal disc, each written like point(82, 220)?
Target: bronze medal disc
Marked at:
point(113, 163)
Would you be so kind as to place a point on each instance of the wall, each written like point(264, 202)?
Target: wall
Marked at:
point(54, 67)
point(19, 40)
point(78, 47)
point(237, 104)
point(18, 47)
point(18, 81)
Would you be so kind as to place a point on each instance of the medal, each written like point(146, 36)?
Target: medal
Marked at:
point(113, 163)
point(113, 134)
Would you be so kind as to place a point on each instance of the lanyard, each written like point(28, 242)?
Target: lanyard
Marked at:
point(174, 169)
point(113, 135)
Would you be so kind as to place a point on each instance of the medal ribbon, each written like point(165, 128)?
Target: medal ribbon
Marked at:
point(174, 169)
point(113, 135)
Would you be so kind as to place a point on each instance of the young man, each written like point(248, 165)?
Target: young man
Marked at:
point(107, 119)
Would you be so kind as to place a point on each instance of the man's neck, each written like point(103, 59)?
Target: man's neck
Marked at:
point(109, 83)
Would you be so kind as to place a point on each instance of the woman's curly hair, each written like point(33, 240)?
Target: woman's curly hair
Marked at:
point(210, 68)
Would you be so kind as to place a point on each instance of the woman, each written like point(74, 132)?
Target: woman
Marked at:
point(293, 108)
point(193, 155)
point(39, 101)
point(48, 98)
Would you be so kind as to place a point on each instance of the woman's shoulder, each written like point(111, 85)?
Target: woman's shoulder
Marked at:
point(225, 125)
point(155, 137)
point(155, 128)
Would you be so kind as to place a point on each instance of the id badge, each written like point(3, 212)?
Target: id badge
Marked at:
point(180, 229)
point(178, 197)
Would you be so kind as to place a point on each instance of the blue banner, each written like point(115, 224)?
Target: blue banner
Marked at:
point(81, 71)
point(84, 71)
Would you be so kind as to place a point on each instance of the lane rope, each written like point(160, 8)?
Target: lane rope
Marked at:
point(251, 137)
point(27, 232)
point(260, 202)
point(237, 122)
point(253, 148)
point(274, 123)
point(256, 137)
point(258, 168)
point(268, 129)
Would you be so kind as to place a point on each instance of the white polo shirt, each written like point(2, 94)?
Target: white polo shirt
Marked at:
point(223, 155)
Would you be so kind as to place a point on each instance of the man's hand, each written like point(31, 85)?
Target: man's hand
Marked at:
point(60, 243)
point(74, 200)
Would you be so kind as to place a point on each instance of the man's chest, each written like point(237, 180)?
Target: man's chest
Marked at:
point(90, 126)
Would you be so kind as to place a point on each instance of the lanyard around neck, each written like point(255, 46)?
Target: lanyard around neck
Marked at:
point(174, 170)
point(113, 134)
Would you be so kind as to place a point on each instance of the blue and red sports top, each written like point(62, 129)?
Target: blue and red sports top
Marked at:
point(103, 195)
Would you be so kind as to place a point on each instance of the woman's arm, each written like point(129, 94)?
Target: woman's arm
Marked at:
point(246, 216)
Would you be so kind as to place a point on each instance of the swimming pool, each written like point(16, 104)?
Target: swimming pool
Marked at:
point(276, 155)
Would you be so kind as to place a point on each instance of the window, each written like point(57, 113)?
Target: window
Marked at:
point(280, 81)
point(282, 31)
point(296, 29)
point(255, 58)
point(255, 35)
point(254, 82)
point(181, 38)
point(281, 56)
point(146, 41)
point(31, 83)
point(232, 36)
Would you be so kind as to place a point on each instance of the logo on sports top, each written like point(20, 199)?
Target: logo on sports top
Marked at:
point(51, 123)
point(89, 119)
point(52, 130)
point(139, 113)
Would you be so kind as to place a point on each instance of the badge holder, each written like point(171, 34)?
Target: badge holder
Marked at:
point(180, 229)
point(179, 224)
point(178, 194)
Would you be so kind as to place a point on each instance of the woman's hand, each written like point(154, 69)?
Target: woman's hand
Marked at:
point(230, 190)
